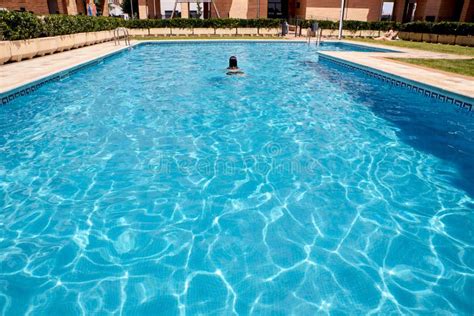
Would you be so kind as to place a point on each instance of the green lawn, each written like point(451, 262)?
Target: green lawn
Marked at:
point(438, 48)
point(458, 66)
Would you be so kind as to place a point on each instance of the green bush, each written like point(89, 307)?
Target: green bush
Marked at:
point(214, 23)
point(417, 27)
point(445, 28)
point(24, 25)
point(16, 26)
point(354, 25)
point(465, 29)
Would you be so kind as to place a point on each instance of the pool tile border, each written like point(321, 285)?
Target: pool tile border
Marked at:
point(31, 87)
point(420, 88)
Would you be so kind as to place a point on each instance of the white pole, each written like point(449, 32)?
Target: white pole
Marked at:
point(341, 19)
point(131, 5)
point(154, 9)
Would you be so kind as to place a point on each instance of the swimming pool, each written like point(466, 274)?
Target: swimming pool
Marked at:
point(351, 47)
point(152, 183)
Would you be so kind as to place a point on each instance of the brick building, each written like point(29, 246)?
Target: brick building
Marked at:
point(363, 10)
point(434, 10)
point(72, 7)
point(149, 9)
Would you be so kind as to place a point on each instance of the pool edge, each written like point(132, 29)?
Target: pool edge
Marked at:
point(429, 91)
point(26, 88)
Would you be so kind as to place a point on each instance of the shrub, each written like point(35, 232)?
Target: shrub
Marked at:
point(445, 28)
point(17, 26)
point(354, 25)
point(465, 29)
point(214, 23)
point(24, 25)
point(417, 27)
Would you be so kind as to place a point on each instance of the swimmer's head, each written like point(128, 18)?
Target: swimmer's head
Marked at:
point(233, 62)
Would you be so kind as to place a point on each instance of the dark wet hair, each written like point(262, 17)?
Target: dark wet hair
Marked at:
point(233, 62)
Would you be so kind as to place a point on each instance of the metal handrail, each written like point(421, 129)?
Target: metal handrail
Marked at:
point(318, 34)
point(318, 37)
point(126, 36)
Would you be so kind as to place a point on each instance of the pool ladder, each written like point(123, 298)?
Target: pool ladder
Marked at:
point(125, 35)
point(319, 33)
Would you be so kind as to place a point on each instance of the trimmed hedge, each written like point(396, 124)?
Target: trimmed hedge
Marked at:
point(443, 28)
point(354, 25)
point(67, 24)
point(14, 25)
point(214, 23)
point(24, 25)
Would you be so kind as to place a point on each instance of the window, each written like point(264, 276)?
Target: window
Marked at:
point(387, 10)
point(277, 9)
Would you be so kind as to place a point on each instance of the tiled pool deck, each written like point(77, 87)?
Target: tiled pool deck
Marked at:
point(15, 75)
point(447, 81)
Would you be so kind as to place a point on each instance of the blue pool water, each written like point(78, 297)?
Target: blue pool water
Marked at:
point(350, 47)
point(153, 183)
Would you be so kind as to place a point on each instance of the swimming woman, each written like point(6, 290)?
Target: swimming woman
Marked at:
point(233, 69)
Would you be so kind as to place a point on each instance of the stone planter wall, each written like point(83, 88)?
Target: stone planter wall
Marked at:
point(27, 49)
point(202, 31)
point(226, 32)
point(247, 31)
point(464, 40)
point(65, 43)
point(162, 31)
point(181, 32)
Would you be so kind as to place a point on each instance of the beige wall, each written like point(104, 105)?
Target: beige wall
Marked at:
point(71, 7)
point(142, 9)
point(238, 9)
point(363, 10)
point(244, 9)
point(252, 9)
point(184, 10)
